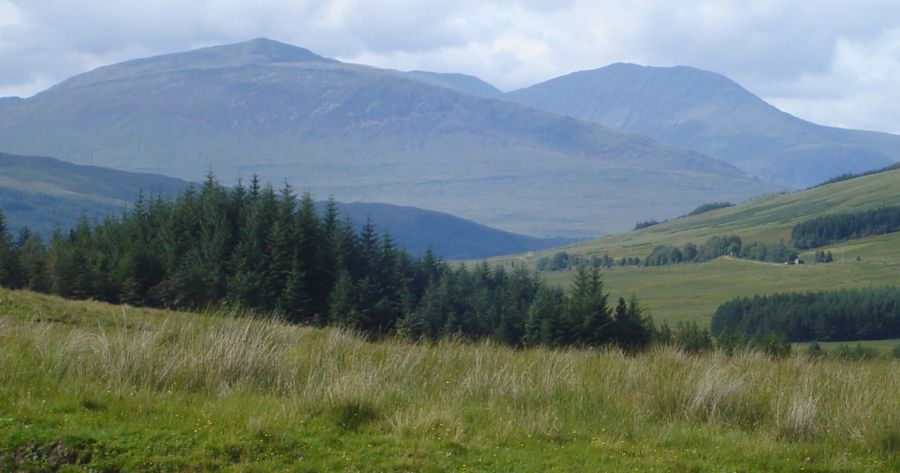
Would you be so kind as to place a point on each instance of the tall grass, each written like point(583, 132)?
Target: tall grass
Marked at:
point(460, 390)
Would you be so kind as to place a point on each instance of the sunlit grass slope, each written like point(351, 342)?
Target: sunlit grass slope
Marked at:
point(693, 291)
point(88, 386)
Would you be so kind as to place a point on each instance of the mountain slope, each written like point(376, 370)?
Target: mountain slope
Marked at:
point(8, 102)
point(449, 236)
point(461, 82)
point(43, 192)
point(707, 112)
point(365, 134)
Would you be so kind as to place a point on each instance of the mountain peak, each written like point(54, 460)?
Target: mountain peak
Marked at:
point(259, 51)
point(263, 50)
point(668, 72)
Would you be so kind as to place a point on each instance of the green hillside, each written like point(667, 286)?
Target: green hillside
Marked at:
point(693, 291)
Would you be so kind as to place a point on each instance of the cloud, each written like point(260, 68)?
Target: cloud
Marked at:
point(828, 60)
point(858, 90)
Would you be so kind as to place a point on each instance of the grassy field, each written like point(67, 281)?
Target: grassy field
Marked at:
point(86, 386)
point(692, 292)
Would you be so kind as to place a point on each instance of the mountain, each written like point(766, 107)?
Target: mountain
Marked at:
point(8, 102)
point(365, 134)
point(461, 82)
point(43, 192)
point(694, 109)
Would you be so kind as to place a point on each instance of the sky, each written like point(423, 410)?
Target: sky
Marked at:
point(830, 61)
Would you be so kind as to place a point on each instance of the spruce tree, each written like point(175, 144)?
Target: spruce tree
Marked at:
point(310, 243)
point(544, 323)
point(342, 301)
point(587, 309)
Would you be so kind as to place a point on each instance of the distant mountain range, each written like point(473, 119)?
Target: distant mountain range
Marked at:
point(706, 112)
point(440, 141)
point(43, 192)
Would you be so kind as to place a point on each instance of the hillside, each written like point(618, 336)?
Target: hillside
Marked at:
point(365, 134)
point(43, 192)
point(461, 82)
point(449, 236)
point(694, 109)
point(693, 291)
point(98, 387)
point(6, 102)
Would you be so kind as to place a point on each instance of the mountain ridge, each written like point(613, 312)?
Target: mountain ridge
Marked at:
point(691, 108)
point(366, 134)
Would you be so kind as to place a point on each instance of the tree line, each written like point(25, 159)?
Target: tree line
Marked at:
point(703, 208)
point(833, 228)
point(858, 314)
point(849, 175)
point(716, 246)
point(700, 209)
point(663, 255)
point(274, 253)
point(562, 261)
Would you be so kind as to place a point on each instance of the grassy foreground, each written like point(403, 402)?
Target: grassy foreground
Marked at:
point(88, 386)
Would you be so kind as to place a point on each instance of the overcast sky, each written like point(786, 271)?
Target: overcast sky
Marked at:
point(831, 61)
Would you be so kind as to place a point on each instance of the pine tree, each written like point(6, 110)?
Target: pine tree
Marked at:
point(215, 238)
point(251, 259)
point(434, 308)
point(310, 243)
point(544, 323)
point(296, 300)
point(342, 301)
point(328, 250)
point(632, 329)
point(587, 309)
point(368, 240)
point(33, 260)
point(284, 258)
point(346, 250)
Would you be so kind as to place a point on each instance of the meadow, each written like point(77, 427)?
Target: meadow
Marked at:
point(86, 386)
